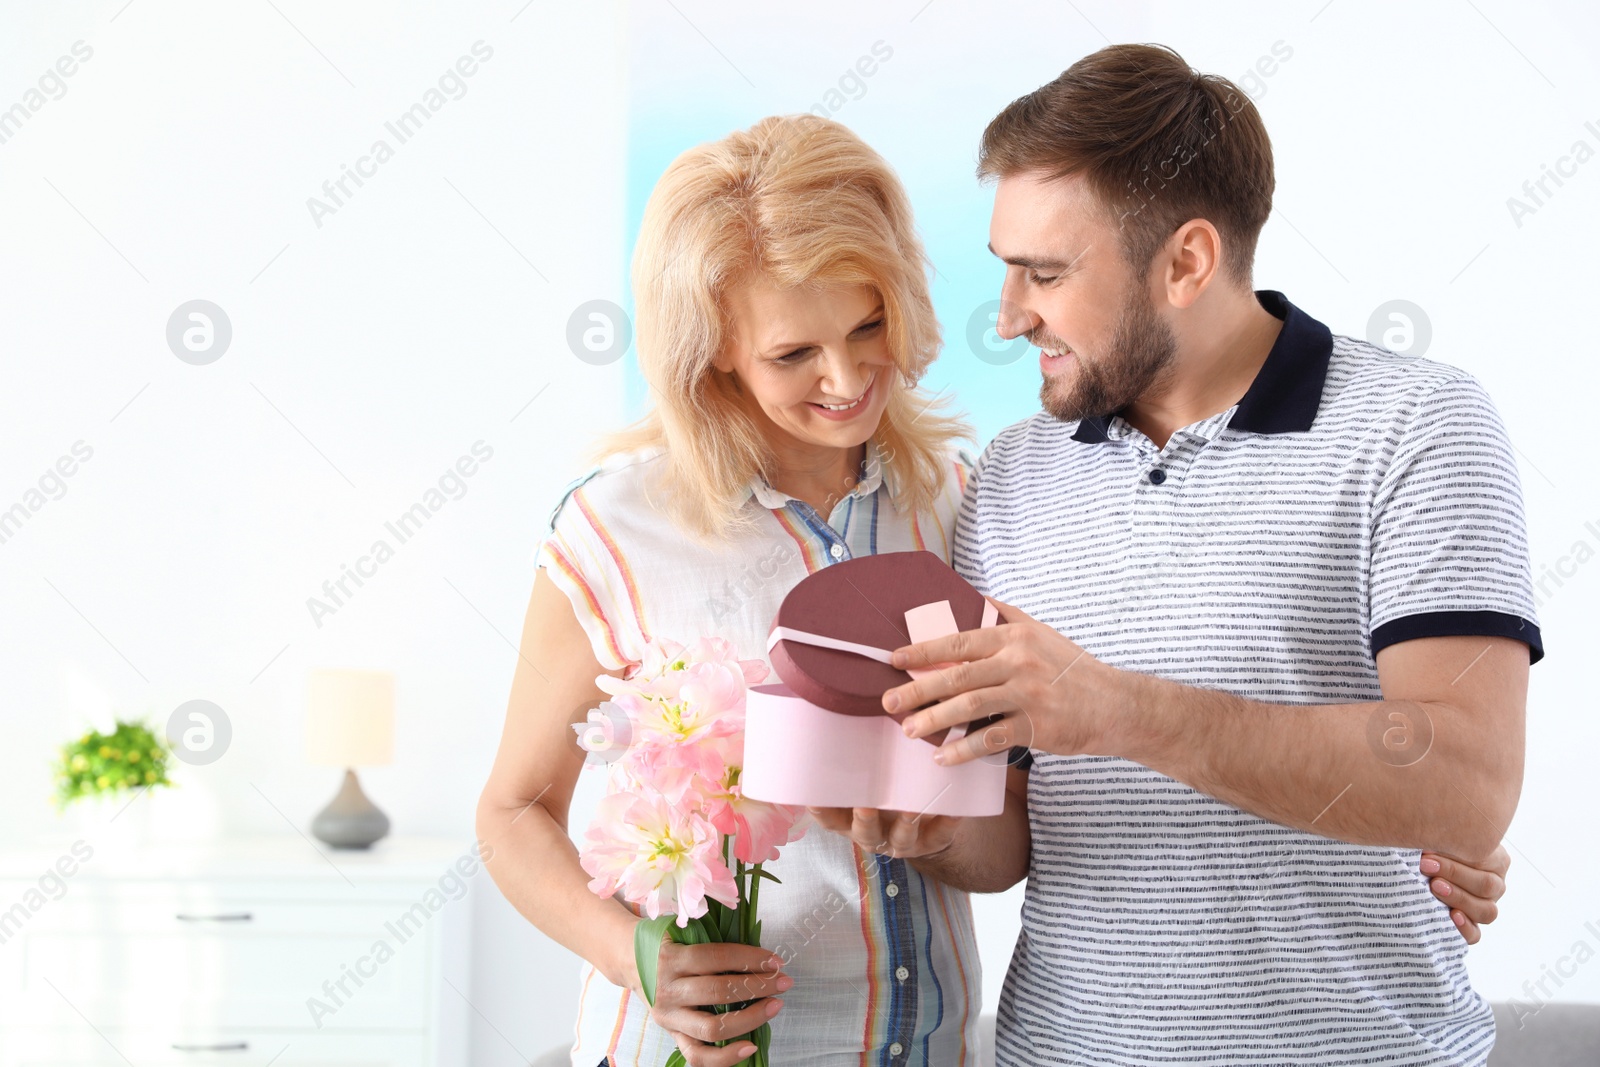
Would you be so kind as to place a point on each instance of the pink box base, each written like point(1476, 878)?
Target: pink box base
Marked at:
point(797, 753)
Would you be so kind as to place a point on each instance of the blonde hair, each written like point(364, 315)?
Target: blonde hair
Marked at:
point(805, 201)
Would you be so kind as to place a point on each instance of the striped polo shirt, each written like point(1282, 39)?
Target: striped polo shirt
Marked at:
point(1352, 499)
point(885, 962)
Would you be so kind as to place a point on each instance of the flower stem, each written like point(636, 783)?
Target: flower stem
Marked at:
point(749, 915)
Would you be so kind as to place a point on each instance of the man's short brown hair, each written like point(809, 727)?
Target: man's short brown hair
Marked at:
point(1159, 142)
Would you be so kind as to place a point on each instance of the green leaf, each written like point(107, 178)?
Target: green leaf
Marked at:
point(762, 872)
point(695, 933)
point(647, 938)
point(676, 1059)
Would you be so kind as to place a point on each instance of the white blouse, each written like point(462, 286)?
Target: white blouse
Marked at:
point(884, 961)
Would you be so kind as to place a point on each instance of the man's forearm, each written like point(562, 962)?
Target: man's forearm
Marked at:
point(1328, 769)
point(987, 855)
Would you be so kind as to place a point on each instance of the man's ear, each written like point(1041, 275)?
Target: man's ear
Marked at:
point(1193, 258)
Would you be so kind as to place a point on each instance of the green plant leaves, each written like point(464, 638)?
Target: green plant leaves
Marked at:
point(693, 934)
point(131, 757)
point(647, 937)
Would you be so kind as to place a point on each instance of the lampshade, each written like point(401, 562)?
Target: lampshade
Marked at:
point(350, 718)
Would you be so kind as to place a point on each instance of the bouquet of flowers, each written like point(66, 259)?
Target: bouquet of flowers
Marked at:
point(675, 835)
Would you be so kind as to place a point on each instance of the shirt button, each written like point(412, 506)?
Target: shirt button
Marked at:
point(893, 890)
point(902, 973)
point(836, 551)
point(896, 1048)
point(1157, 476)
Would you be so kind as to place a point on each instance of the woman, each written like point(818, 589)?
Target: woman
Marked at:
point(783, 321)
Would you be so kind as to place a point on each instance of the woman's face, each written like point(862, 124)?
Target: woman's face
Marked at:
point(815, 361)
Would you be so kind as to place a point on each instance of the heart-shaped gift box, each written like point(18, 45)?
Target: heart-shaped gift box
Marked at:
point(822, 738)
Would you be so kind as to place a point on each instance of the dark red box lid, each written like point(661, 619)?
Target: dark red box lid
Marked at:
point(864, 601)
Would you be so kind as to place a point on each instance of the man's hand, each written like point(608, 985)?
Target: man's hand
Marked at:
point(1052, 694)
point(898, 835)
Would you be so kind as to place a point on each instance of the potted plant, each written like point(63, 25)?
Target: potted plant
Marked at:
point(100, 774)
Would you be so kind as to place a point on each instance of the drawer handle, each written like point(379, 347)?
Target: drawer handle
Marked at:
point(223, 1046)
point(228, 917)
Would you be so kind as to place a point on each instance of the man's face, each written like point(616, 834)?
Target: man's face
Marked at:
point(1069, 290)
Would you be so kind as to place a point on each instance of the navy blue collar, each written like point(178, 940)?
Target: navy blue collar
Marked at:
point(1287, 389)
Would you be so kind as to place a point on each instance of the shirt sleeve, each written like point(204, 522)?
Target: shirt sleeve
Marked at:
point(964, 555)
point(968, 563)
point(1449, 541)
point(574, 556)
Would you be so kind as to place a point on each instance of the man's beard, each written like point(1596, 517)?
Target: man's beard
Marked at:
point(1141, 351)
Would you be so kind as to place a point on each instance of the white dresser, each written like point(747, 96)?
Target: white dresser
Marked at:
point(237, 954)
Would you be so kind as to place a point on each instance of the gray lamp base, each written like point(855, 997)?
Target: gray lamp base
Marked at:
point(350, 820)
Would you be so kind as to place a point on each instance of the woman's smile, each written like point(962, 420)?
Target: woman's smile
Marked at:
point(848, 409)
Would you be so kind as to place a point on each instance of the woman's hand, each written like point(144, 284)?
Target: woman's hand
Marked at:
point(1470, 892)
point(898, 835)
point(690, 979)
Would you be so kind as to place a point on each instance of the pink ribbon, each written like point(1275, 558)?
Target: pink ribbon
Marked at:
point(926, 622)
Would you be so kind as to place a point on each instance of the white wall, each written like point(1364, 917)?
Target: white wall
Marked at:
point(366, 358)
point(369, 353)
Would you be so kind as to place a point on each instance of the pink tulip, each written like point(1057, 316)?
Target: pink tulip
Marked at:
point(759, 828)
point(663, 859)
point(674, 734)
point(709, 704)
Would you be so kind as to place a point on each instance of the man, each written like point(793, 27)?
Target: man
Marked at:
point(1269, 618)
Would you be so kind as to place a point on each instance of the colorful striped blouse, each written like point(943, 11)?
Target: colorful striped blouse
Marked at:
point(885, 962)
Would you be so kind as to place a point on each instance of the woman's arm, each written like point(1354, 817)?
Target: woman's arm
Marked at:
point(522, 814)
point(522, 817)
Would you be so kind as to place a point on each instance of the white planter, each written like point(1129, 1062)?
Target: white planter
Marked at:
point(111, 825)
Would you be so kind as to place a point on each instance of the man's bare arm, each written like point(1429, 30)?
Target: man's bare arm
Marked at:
point(1329, 769)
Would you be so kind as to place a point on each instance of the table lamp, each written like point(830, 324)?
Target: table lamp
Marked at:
point(350, 724)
